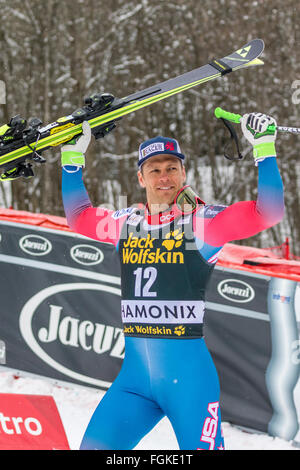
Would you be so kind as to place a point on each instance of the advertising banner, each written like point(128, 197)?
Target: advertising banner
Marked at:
point(60, 305)
point(252, 333)
point(30, 422)
point(60, 318)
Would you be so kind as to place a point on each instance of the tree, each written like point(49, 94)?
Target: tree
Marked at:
point(55, 53)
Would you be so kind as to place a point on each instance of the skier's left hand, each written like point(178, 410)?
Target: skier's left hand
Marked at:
point(74, 152)
point(255, 127)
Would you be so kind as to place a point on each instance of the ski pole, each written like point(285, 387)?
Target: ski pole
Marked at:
point(221, 113)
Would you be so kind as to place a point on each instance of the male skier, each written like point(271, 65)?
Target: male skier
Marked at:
point(167, 253)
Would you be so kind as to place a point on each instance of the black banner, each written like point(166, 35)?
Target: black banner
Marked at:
point(60, 318)
point(60, 305)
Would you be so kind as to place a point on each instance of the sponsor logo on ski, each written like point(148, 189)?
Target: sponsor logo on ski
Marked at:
point(61, 128)
point(86, 254)
point(244, 51)
point(35, 245)
point(236, 290)
point(48, 127)
point(43, 321)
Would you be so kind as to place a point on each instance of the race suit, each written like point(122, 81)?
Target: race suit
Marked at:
point(166, 262)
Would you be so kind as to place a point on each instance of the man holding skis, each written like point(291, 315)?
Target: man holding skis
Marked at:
point(167, 253)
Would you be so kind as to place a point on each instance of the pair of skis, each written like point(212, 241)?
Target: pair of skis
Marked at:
point(22, 143)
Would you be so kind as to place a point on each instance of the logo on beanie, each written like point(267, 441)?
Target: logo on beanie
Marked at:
point(170, 146)
point(155, 147)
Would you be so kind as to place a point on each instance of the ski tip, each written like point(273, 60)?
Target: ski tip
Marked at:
point(255, 62)
point(261, 43)
point(245, 54)
point(257, 43)
point(257, 46)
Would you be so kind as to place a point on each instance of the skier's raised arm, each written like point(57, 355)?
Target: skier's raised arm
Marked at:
point(94, 222)
point(246, 218)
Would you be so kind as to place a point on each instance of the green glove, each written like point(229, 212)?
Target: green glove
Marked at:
point(255, 127)
point(73, 153)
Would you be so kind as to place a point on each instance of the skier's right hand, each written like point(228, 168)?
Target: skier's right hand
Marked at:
point(73, 153)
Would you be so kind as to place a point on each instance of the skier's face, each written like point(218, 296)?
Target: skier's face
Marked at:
point(162, 176)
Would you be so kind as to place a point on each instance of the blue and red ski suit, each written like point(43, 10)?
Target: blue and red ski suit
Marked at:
point(167, 369)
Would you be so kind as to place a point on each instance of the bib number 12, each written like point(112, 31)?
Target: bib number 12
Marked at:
point(144, 280)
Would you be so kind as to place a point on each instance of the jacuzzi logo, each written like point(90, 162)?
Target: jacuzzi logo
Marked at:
point(67, 331)
point(236, 291)
point(35, 245)
point(86, 254)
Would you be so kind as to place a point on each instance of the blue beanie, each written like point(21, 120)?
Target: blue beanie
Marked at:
point(159, 146)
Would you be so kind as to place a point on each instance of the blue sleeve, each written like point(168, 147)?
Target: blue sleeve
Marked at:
point(270, 195)
point(74, 194)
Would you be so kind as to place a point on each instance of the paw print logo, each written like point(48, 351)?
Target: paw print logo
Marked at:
point(179, 330)
point(173, 240)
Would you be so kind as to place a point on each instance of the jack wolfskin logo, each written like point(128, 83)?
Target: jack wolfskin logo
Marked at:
point(142, 250)
point(173, 240)
point(179, 330)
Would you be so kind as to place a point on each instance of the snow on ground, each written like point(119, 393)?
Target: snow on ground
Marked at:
point(76, 405)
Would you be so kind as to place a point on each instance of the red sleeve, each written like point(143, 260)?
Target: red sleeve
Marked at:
point(100, 224)
point(235, 222)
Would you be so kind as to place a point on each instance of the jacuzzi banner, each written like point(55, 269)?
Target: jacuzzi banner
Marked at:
point(60, 305)
point(60, 318)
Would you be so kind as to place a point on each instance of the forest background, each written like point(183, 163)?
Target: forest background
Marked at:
point(56, 52)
